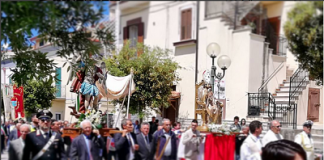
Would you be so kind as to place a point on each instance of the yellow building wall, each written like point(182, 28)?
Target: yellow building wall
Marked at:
point(58, 108)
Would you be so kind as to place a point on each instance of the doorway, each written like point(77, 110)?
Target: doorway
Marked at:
point(172, 111)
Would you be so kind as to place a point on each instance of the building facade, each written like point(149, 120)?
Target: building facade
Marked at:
point(250, 33)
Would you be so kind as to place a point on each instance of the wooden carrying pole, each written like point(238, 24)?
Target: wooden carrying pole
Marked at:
point(74, 132)
point(129, 90)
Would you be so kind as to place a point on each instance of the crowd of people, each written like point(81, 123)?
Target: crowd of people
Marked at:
point(272, 146)
point(41, 139)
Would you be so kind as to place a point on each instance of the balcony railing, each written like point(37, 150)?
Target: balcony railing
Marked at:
point(60, 91)
point(261, 104)
point(264, 104)
point(297, 82)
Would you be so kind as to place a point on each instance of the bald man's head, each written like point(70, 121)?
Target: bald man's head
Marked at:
point(275, 126)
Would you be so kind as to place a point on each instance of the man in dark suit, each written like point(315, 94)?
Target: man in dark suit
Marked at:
point(153, 126)
point(126, 143)
point(89, 145)
point(144, 140)
point(44, 144)
point(161, 137)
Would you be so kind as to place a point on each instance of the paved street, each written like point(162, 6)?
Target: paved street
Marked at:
point(4, 155)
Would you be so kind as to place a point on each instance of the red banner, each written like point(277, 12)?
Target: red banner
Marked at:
point(19, 97)
point(220, 147)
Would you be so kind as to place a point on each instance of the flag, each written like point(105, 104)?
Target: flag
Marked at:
point(19, 98)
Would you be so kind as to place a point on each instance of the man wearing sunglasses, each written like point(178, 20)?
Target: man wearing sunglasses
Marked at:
point(273, 134)
point(44, 144)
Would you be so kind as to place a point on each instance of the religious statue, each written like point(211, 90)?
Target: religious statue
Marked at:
point(77, 82)
point(213, 108)
point(88, 87)
point(207, 105)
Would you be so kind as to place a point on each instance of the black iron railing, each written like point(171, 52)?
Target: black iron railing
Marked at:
point(297, 81)
point(286, 115)
point(277, 42)
point(264, 104)
point(261, 104)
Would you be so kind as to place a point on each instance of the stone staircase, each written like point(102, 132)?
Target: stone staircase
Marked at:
point(282, 94)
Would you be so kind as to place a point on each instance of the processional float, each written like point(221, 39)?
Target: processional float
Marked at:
point(90, 85)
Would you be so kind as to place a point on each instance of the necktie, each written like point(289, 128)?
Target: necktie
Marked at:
point(46, 135)
point(147, 142)
point(130, 142)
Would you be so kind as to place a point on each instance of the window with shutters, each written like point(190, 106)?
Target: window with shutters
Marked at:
point(186, 19)
point(58, 116)
point(133, 35)
point(134, 32)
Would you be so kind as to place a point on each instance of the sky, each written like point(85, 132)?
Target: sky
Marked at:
point(35, 33)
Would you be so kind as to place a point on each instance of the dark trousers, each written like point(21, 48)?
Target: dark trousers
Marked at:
point(111, 154)
point(167, 158)
point(2, 143)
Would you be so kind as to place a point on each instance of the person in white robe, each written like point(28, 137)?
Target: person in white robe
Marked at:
point(306, 141)
point(273, 134)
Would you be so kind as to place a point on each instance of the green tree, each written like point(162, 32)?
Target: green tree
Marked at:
point(63, 24)
point(154, 74)
point(38, 95)
point(304, 31)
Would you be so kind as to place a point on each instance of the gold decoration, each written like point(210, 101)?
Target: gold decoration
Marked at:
point(207, 106)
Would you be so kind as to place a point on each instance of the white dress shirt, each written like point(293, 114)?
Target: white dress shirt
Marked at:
point(251, 148)
point(168, 148)
point(43, 133)
point(270, 136)
point(131, 149)
point(22, 142)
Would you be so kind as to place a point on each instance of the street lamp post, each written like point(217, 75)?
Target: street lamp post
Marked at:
point(213, 50)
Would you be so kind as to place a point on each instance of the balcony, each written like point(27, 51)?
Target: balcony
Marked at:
point(237, 15)
point(60, 91)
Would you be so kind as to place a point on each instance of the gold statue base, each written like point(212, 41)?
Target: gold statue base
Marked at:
point(203, 128)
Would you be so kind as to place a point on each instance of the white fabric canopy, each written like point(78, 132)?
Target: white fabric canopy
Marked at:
point(118, 87)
